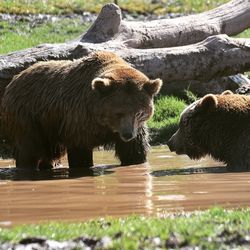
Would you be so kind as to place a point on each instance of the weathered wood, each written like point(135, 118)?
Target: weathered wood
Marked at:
point(230, 18)
point(216, 56)
point(144, 44)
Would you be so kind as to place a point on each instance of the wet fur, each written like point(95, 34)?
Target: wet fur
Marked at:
point(218, 128)
point(52, 107)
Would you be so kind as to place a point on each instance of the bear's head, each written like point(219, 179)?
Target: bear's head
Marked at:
point(125, 97)
point(195, 129)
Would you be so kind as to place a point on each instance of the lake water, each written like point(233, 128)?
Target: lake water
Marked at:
point(167, 183)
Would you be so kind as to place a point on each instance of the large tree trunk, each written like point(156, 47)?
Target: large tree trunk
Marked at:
point(145, 45)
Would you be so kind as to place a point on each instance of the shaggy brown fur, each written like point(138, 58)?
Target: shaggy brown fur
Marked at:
point(216, 125)
point(78, 105)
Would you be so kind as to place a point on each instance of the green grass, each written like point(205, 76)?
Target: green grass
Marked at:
point(166, 118)
point(213, 229)
point(78, 6)
point(244, 34)
point(20, 35)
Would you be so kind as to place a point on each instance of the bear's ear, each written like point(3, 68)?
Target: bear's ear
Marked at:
point(101, 84)
point(227, 92)
point(153, 86)
point(207, 103)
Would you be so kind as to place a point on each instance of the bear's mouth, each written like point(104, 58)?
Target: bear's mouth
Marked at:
point(126, 137)
point(180, 152)
point(195, 155)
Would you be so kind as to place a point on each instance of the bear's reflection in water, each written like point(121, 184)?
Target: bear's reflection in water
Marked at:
point(52, 174)
point(167, 183)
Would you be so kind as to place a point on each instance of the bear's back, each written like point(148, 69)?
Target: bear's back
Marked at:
point(234, 103)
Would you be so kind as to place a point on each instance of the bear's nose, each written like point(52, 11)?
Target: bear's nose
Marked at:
point(127, 136)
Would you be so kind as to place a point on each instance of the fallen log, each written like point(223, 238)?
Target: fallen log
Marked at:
point(147, 45)
point(230, 18)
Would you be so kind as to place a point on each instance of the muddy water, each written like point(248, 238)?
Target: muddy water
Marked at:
point(167, 183)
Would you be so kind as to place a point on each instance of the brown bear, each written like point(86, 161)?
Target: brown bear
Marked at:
point(216, 125)
point(74, 106)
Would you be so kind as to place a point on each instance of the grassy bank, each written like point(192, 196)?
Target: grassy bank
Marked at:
point(17, 35)
point(78, 6)
point(213, 229)
point(166, 118)
point(21, 34)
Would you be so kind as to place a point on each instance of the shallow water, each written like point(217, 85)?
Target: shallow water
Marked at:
point(167, 183)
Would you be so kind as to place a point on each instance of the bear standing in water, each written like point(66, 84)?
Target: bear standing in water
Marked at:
point(74, 106)
point(216, 125)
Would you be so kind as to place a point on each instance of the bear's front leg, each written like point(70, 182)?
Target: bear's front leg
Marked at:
point(27, 155)
point(80, 157)
point(238, 160)
point(134, 151)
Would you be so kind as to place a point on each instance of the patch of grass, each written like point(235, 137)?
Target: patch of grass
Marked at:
point(190, 97)
point(195, 5)
point(19, 35)
point(244, 34)
point(78, 6)
point(166, 118)
point(167, 107)
point(213, 229)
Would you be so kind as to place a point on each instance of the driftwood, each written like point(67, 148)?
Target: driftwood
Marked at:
point(186, 49)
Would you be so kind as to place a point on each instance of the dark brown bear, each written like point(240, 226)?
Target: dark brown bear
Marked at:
point(216, 125)
point(76, 106)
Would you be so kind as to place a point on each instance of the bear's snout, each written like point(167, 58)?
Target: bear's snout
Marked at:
point(127, 129)
point(127, 135)
point(170, 144)
point(175, 143)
